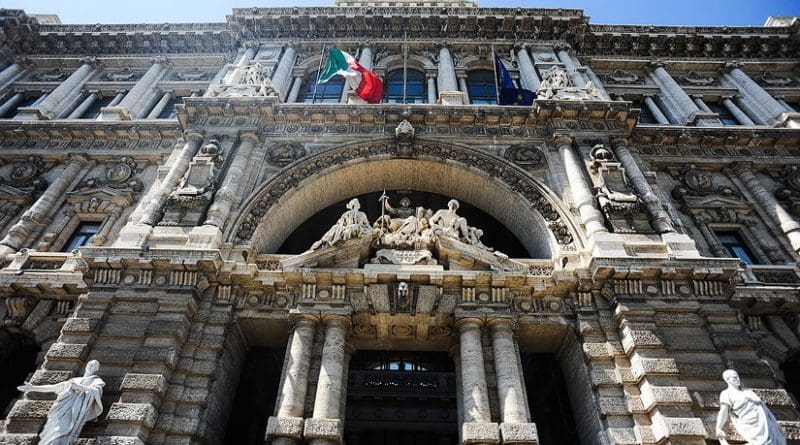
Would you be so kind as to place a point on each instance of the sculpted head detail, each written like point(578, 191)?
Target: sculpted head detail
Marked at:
point(452, 205)
point(731, 377)
point(354, 204)
point(91, 368)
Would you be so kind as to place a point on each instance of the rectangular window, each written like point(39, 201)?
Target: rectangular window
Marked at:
point(85, 231)
point(735, 246)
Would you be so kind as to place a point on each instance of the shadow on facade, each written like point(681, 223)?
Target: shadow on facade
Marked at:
point(18, 357)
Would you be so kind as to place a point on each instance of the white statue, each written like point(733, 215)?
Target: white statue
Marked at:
point(78, 401)
point(352, 224)
point(751, 417)
point(449, 222)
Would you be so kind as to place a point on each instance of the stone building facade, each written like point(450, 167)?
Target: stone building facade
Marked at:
point(618, 244)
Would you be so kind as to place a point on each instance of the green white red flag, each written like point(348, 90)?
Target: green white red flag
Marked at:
point(364, 82)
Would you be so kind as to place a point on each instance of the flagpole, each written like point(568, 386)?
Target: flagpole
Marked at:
point(496, 89)
point(405, 65)
point(319, 71)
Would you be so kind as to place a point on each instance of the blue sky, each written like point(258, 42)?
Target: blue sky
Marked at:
point(666, 12)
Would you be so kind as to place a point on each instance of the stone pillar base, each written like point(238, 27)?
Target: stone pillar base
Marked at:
point(451, 98)
point(480, 433)
point(291, 427)
point(522, 433)
point(323, 431)
point(115, 114)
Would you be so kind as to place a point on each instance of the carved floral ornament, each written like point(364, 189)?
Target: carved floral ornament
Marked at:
point(514, 179)
point(27, 173)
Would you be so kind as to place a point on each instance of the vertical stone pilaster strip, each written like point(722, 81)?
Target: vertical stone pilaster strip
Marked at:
point(788, 225)
point(326, 426)
point(570, 66)
point(153, 212)
point(658, 217)
point(581, 192)
point(19, 233)
point(294, 93)
point(228, 193)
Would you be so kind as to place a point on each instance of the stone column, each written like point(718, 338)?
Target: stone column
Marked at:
point(162, 103)
point(682, 108)
point(570, 66)
point(462, 86)
point(515, 426)
point(449, 93)
point(750, 111)
point(753, 93)
point(93, 97)
point(287, 426)
point(283, 73)
point(654, 110)
point(139, 99)
point(228, 193)
point(527, 72)
point(117, 98)
point(478, 426)
point(296, 86)
point(658, 217)
point(788, 225)
point(9, 73)
point(153, 213)
point(582, 196)
point(37, 214)
point(233, 76)
point(431, 87)
point(736, 111)
point(62, 95)
point(326, 425)
point(698, 100)
point(12, 103)
point(596, 80)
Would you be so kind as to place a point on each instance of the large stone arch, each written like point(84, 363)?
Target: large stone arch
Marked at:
point(530, 210)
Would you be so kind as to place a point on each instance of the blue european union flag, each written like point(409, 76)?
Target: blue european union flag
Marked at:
point(509, 94)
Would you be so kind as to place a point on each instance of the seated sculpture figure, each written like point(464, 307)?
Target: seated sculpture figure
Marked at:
point(751, 417)
point(447, 221)
point(78, 402)
point(352, 224)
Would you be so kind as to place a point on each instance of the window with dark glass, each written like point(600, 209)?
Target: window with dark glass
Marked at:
point(481, 87)
point(85, 231)
point(735, 246)
point(645, 116)
point(329, 92)
point(413, 82)
point(725, 115)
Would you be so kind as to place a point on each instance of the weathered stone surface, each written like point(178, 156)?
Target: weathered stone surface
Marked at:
point(31, 409)
point(522, 433)
point(330, 429)
point(474, 432)
point(285, 427)
point(63, 351)
point(144, 382)
point(132, 412)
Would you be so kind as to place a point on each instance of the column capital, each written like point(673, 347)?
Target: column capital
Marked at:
point(159, 60)
point(96, 92)
point(728, 96)
point(248, 136)
point(78, 158)
point(251, 45)
point(730, 66)
point(301, 320)
point(619, 142)
point(336, 320)
point(468, 323)
point(193, 135)
point(740, 168)
point(561, 140)
point(655, 64)
point(92, 61)
point(502, 324)
point(696, 96)
point(167, 91)
point(521, 47)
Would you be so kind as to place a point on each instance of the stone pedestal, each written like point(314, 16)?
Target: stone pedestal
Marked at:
point(451, 98)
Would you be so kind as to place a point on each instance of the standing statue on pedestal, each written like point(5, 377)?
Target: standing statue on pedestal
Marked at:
point(750, 416)
point(78, 402)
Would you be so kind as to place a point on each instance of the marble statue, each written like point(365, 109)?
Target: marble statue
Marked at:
point(750, 416)
point(78, 402)
point(352, 224)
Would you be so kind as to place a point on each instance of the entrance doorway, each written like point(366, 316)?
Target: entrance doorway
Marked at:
point(548, 399)
point(401, 398)
point(18, 355)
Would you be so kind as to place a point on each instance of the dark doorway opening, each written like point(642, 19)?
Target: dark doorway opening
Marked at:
point(548, 400)
point(401, 398)
point(18, 355)
point(791, 371)
point(255, 397)
point(495, 235)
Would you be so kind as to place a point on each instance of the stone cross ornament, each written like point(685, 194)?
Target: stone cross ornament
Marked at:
point(749, 414)
point(78, 402)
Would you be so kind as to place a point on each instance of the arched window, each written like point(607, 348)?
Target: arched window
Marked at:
point(323, 93)
point(481, 87)
point(414, 87)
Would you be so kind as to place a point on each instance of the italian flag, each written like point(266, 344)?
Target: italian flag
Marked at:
point(364, 82)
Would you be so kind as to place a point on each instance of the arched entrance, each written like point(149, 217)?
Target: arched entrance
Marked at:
point(518, 201)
